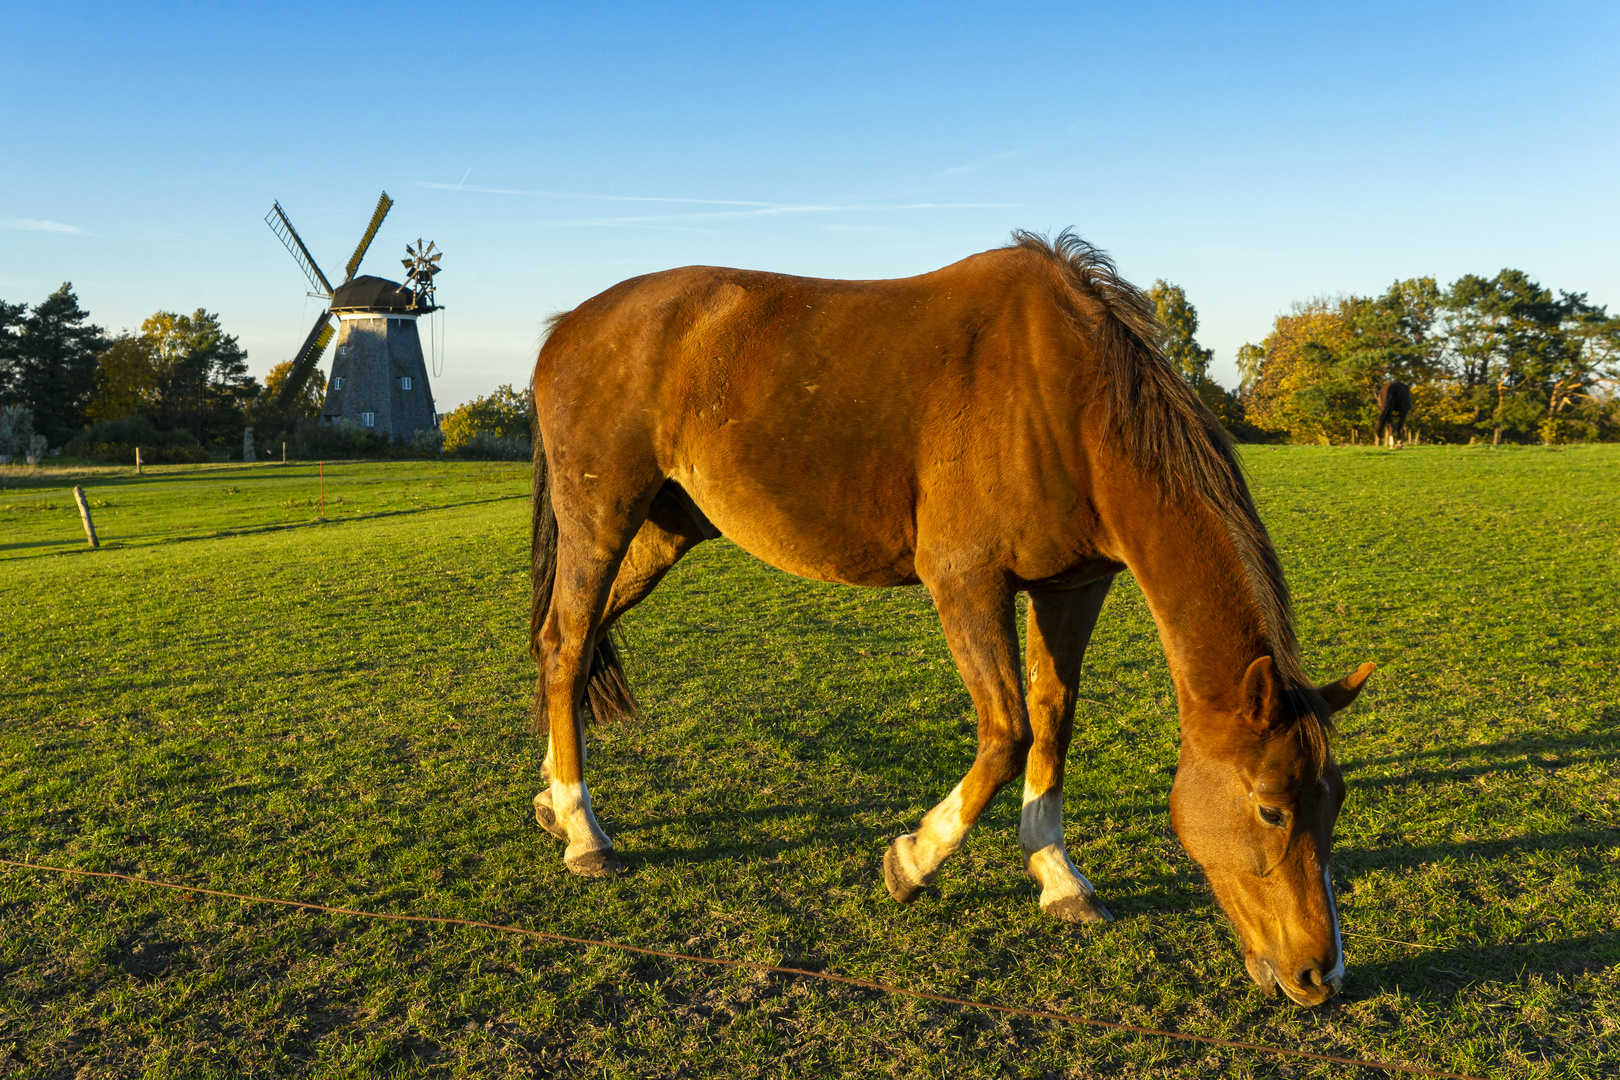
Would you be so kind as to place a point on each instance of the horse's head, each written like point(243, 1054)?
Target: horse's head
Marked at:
point(1254, 802)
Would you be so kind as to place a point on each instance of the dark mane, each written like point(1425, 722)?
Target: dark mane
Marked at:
point(1170, 435)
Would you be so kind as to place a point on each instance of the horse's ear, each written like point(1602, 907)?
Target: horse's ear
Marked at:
point(1258, 693)
point(1339, 695)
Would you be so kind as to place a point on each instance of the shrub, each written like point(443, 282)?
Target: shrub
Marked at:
point(345, 439)
point(505, 415)
point(490, 447)
point(427, 443)
point(115, 441)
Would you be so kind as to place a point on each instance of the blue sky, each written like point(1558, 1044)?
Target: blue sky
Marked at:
point(1256, 155)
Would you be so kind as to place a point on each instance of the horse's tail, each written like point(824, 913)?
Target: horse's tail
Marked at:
point(607, 691)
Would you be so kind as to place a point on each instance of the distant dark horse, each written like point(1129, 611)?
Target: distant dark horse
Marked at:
point(1394, 402)
point(1007, 424)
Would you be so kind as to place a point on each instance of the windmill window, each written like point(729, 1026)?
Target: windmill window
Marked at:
point(405, 383)
point(337, 383)
point(368, 419)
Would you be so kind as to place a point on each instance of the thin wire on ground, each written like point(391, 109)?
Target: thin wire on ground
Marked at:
point(894, 991)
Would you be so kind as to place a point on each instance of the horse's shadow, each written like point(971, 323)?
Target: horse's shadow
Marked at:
point(920, 765)
point(1447, 972)
point(833, 827)
point(1550, 753)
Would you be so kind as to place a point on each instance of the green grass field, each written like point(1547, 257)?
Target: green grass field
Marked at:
point(231, 695)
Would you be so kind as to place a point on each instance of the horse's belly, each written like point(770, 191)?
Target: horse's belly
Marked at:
point(843, 565)
point(815, 538)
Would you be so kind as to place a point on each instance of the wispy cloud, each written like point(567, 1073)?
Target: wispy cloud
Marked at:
point(586, 197)
point(31, 225)
point(735, 208)
point(693, 219)
point(1005, 155)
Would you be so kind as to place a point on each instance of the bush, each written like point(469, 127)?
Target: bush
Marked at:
point(490, 447)
point(115, 441)
point(504, 415)
point(427, 443)
point(345, 439)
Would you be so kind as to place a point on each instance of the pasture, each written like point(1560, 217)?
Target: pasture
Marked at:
point(233, 696)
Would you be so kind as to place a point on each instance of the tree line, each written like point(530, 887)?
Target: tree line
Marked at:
point(179, 386)
point(1499, 358)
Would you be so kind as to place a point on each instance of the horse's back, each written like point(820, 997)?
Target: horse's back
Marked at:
point(824, 424)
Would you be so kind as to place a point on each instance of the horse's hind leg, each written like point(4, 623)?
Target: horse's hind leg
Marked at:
point(596, 527)
point(1059, 626)
point(667, 534)
point(977, 615)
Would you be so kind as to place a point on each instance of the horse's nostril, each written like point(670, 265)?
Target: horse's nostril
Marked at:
point(1311, 976)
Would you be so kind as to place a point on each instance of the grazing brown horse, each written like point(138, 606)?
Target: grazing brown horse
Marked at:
point(1394, 403)
point(1004, 424)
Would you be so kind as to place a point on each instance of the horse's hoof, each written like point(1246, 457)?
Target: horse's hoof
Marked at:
point(546, 818)
point(901, 887)
point(595, 864)
point(1077, 908)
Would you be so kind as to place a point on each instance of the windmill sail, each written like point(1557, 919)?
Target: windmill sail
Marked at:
point(283, 228)
point(320, 335)
point(379, 377)
point(383, 205)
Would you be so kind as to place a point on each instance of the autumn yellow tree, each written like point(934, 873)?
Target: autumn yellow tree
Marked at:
point(1292, 365)
point(308, 402)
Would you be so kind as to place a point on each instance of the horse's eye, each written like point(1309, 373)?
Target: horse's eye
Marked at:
point(1271, 815)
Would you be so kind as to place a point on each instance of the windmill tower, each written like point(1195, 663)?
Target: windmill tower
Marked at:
point(379, 377)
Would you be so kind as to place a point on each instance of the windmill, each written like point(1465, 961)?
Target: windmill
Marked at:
point(379, 379)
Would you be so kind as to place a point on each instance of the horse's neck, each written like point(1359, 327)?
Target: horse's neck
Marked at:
point(1188, 568)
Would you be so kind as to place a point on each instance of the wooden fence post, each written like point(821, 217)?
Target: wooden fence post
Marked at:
point(84, 512)
point(137, 461)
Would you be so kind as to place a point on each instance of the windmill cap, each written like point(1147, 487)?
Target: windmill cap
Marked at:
point(367, 293)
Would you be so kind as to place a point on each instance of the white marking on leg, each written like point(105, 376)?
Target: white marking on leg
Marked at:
point(572, 805)
point(941, 832)
point(1040, 834)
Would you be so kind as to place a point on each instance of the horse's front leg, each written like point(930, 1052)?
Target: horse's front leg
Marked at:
point(1059, 627)
point(980, 626)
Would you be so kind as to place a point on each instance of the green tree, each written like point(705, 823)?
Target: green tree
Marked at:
point(202, 378)
point(126, 380)
point(1250, 358)
point(48, 362)
point(1514, 346)
point(1581, 402)
point(11, 321)
point(1179, 320)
